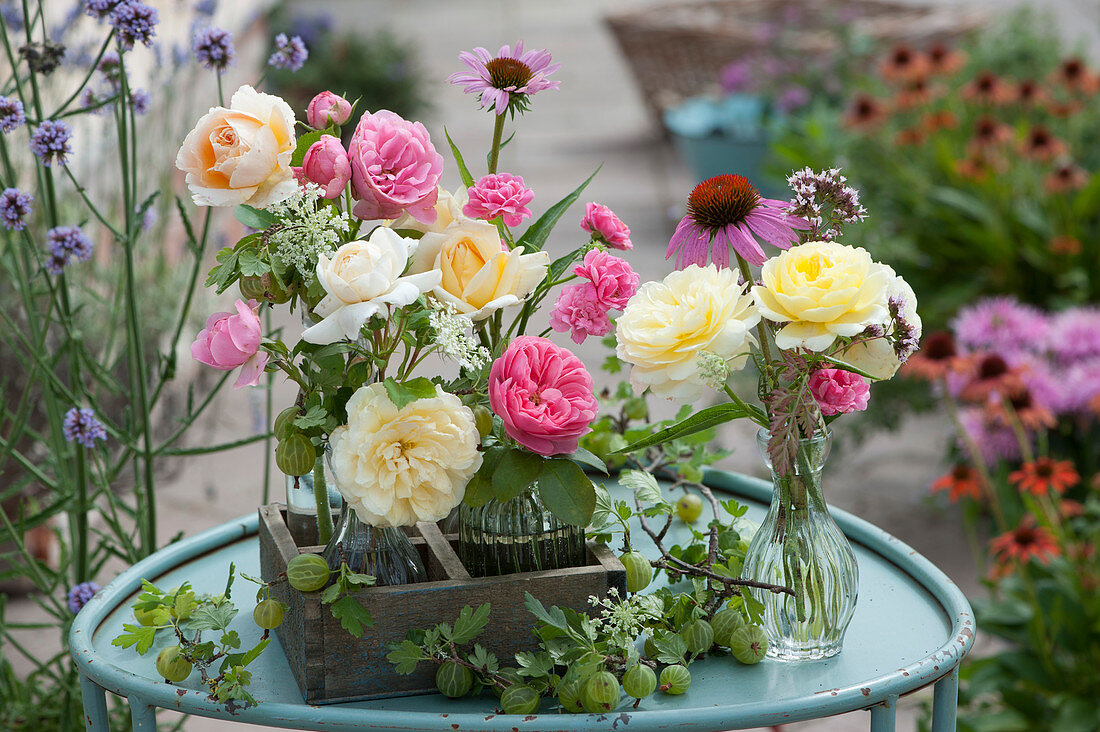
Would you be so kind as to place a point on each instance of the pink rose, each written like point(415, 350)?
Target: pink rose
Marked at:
point(327, 109)
point(326, 164)
point(394, 168)
point(602, 223)
point(229, 341)
point(500, 194)
point(543, 394)
point(839, 392)
point(615, 280)
point(579, 310)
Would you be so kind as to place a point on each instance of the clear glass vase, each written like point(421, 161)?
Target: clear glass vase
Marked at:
point(386, 553)
point(800, 546)
point(518, 535)
point(301, 504)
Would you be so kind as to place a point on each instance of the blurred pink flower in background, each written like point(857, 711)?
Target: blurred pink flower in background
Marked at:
point(327, 109)
point(229, 341)
point(579, 311)
point(326, 164)
point(839, 392)
point(614, 279)
point(499, 194)
point(394, 168)
point(605, 226)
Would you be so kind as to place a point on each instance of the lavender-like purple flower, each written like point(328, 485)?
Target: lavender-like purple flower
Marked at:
point(111, 67)
point(290, 53)
point(206, 8)
point(82, 426)
point(825, 200)
point(1075, 335)
point(1002, 325)
point(736, 77)
point(995, 441)
point(134, 21)
point(50, 142)
point(213, 48)
point(12, 15)
point(15, 206)
point(139, 100)
point(11, 114)
point(80, 594)
point(66, 243)
point(792, 98)
point(100, 9)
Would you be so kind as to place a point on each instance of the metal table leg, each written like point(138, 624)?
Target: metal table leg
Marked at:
point(95, 706)
point(883, 715)
point(945, 702)
point(143, 716)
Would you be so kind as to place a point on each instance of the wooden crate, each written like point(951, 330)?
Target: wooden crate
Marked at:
point(331, 666)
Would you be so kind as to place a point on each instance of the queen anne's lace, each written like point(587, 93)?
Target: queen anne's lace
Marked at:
point(310, 230)
point(453, 341)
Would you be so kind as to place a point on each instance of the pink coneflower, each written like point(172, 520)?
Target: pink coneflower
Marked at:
point(726, 212)
point(508, 79)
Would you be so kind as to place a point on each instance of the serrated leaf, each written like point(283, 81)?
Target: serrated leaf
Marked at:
point(251, 264)
point(253, 653)
point(515, 472)
point(231, 639)
point(209, 617)
point(470, 623)
point(645, 487)
point(254, 218)
point(553, 617)
point(407, 392)
point(483, 659)
point(352, 615)
point(671, 648)
point(537, 233)
point(704, 419)
point(315, 417)
point(405, 657)
point(141, 636)
point(534, 665)
point(463, 171)
point(567, 491)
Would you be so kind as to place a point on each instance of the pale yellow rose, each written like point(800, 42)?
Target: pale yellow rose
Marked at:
point(363, 278)
point(479, 275)
point(667, 325)
point(822, 290)
point(877, 357)
point(448, 209)
point(394, 466)
point(241, 154)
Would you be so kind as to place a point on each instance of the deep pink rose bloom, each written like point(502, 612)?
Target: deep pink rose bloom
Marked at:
point(499, 194)
point(394, 168)
point(229, 341)
point(579, 310)
point(614, 278)
point(327, 109)
point(543, 394)
point(839, 392)
point(602, 223)
point(326, 164)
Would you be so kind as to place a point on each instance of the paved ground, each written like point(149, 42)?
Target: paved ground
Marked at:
point(596, 117)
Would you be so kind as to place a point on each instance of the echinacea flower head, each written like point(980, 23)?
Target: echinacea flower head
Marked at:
point(66, 243)
point(80, 594)
point(1041, 144)
point(1027, 541)
point(15, 207)
point(1001, 324)
point(214, 48)
point(935, 359)
point(904, 64)
point(962, 482)
point(727, 212)
point(507, 80)
point(11, 114)
point(942, 59)
point(134, 21)
point(1075, 335)
point(1043, 475)
point(1066, 176)
point(50, 142)
point(865, 113)
point(290, 53)
point(81, 426)
point(1075, 76)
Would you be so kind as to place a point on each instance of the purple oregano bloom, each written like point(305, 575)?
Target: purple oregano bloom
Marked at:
point(82, 426)
point(80, 594)
point(290, 53)
point(15, 207)
point(50, 142)
point(11, 114)
point(134, 22)
point(214, 48)
point(65, 243)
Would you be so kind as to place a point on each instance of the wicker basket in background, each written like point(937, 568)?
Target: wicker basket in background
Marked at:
point(677, 50)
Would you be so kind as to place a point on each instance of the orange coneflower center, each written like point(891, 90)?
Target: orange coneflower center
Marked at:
point(1028, 90)
point(986, 129)
point(986, 82)
point(991, 367)
point(722, 200)
point(1073, 69)
point(938, 53)
point(1025, 536)
point(1021, 400)
point(508, 73)
point(961, 473)
point(1044, 469)
point(901, 57)
point(939, 347)
point(1039, 138)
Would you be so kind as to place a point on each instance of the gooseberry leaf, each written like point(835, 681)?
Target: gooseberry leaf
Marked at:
point(352, 616)
point(470, 623)
point(404, 393)
point(136, 635)
point(405, 657)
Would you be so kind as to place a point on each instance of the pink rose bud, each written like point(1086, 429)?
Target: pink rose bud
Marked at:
point(615, 280)
point(229, 341)
point(839, 392)
point(602, 223)
point(543, 394)
point(327, 109)
point(580, 311)
point(327, 164)
point(499, 194)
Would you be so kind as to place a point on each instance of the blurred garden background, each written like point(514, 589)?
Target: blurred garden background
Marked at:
point(972, 131)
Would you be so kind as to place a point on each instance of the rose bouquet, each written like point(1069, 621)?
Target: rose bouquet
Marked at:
point(819, 321)
point(387, 269)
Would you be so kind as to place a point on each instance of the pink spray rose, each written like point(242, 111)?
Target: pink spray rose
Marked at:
point(229, 341)
point(605, 226)
point(326, 164)
point(839, 392)
point(544, 395)
point(327, 109)
point(394, 168)
point(615, 280)
point(499, 194)
point(579, 310)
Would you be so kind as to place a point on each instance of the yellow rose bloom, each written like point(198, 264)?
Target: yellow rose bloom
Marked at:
point(822, 290)
point(668, 325)
point(877, 357)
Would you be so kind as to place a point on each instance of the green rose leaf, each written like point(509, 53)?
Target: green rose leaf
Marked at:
point(479, 490)
point(305, 142)
point(515, 472)
point(587, 457)
point(567, 491)
point(405, 393)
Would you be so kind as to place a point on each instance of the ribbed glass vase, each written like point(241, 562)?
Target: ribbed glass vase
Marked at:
point(301, 506)
point(386, 553)
point(800, 546)
point(518, 535)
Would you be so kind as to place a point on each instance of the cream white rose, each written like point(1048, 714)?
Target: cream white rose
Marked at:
point(362, 278)
point(448, 209)
point(478, 275)
point(822, 290)
point(241, 154)
point(394, 466)
point(877, 357)
point(668, 324)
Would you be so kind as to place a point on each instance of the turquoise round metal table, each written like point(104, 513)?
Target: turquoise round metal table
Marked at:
point(912, 628)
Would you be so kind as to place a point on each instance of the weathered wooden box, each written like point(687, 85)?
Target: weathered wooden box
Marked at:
point(331, 666)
